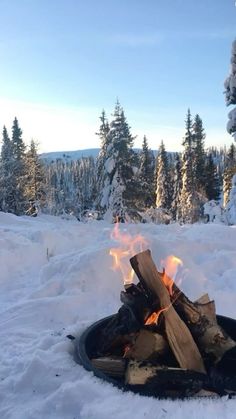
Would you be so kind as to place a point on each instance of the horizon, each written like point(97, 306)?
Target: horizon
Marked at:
point(61, 65)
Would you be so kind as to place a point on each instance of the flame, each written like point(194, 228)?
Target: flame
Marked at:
point(129, 246)
point(153, 318)
point(171, 264)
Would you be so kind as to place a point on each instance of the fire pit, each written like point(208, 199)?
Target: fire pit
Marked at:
point(160, 343)
point(85, 349)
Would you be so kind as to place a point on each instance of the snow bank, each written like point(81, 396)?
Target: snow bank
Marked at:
point(56, 279)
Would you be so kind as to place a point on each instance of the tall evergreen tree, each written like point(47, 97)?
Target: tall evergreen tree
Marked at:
point(230, 210)
point(199, 153)
point(212, 184)
point(190, 205)
point(19, 148)
point(177, 187)
point(7, 175)
point(34, 189)
point(104, 139)
point(229, 171)
point(146, 177)
point(163, 194)
point(230, 92)
point(118, 164)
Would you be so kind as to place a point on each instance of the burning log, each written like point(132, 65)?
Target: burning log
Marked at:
point(200, 316)
point(147, 345)
point(212, 340)
point(177, 333)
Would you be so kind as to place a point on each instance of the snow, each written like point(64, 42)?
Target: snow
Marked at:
point(231, 125)
point(56, 279)
point(230, 210)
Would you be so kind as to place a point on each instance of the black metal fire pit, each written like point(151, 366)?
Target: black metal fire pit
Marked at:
point(85, 347)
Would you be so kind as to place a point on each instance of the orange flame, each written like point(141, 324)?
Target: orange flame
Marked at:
point(153, 318)
point(171, 266)
point(129, 246)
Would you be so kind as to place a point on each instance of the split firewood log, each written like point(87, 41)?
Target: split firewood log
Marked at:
point(147, 345)
point(112, 366)
point(177, 333)
point(200, 317)
point(165, 381)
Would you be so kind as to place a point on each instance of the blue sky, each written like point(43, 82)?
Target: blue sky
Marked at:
point(62, 61)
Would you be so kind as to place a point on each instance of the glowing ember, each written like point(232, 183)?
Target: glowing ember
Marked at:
point(129, 246)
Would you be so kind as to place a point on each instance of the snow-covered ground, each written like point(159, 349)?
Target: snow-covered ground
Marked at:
point(56, 279)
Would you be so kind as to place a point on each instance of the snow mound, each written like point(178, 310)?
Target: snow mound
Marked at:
point(56, 279)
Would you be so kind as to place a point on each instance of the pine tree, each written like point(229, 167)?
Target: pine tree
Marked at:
point(190, 204)
point(177, 187)
point(199, 154)
point(163, 194)
point(118, 163)
point(7, 175)
point(19, 148)
point(146, 177)
point(104, 139)
point(230, 210)
point(230, 92)
point(34, 189)
point(212, 184)
point(229, 171)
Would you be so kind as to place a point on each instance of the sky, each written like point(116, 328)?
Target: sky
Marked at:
point(63, 61)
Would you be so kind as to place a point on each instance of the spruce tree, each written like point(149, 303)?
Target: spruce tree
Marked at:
point(189, 200)
point(163, 194)
point(230, 210)
point(177, 187)
point(7, 175)
point(18, 146)
point(229, 171)
point(34, 189)
point(199, 154)
point(146, 177)
point(212, 184)
point(103, 136)
point(230, 92)
point(118, 164)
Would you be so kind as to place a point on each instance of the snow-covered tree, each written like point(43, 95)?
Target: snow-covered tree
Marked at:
point(34, 189)
point(104, 139)
point(163, 192)
point(177, 187)
point(7, 177)
point(229, 171)
point(146, 176)
point(199, 153)
point(189, 200)
point(19, 149)
point(230, 210)
point(230, 92)
point(212, 184)
point(119, 161)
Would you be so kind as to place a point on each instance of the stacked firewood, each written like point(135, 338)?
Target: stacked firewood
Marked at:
point(163, 341)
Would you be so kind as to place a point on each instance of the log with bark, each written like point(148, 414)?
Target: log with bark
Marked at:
point(200, 317)
point(185, 352)
point(177, 333)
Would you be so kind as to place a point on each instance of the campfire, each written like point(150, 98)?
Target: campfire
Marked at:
point(159, 339)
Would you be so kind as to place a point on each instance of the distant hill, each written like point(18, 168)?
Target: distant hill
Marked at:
point(69, 155)
point(76, 154)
